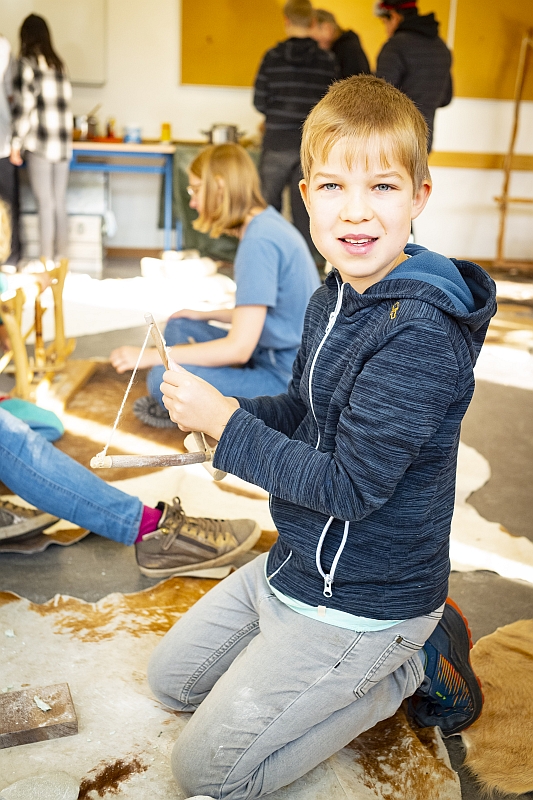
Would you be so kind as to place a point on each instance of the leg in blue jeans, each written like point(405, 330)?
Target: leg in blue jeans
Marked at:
point(53, 482)
point(273, 692)
point(268, 372)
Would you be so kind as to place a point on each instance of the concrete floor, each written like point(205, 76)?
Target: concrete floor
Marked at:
point(498, 424)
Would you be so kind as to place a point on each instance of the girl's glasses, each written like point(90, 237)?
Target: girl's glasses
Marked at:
point(192, 191)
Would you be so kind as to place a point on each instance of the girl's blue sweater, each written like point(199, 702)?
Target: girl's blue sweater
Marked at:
point(359, 455)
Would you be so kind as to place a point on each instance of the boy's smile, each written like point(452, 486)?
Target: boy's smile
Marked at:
point(361, 215)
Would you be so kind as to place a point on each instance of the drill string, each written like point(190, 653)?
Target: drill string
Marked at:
point(100, 456)
point(205, 452)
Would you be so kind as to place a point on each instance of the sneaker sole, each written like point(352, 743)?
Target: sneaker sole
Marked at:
point(203, 566)
point(481, 698)
point(461, 656)
point(28, 526)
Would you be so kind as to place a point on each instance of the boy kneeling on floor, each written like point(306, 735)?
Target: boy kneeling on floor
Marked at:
point(301, 650)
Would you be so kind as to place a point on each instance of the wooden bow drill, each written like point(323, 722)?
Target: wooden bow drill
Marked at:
point(205, 452)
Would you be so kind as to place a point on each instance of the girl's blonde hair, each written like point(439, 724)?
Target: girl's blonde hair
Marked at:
point(230, 188)
point(5, 231)
point(372, 118)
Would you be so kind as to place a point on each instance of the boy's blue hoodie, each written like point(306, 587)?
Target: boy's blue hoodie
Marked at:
point(359, 455)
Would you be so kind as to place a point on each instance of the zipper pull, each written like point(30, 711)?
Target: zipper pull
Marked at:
point(394, 310)
point(328, 581)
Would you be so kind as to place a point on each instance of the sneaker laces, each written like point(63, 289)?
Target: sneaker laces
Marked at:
point(208, 530)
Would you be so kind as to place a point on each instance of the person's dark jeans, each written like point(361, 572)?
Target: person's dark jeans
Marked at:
point(9, 192)
point(277, 169)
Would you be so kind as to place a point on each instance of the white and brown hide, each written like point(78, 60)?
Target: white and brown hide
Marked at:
point(126, 736)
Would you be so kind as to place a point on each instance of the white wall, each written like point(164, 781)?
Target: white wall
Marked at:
point(142, 87)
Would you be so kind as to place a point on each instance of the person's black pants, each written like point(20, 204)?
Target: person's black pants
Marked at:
point(277, 169)
point(9, 193)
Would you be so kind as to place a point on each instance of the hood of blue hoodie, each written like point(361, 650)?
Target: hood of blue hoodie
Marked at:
point(461, 289)
point(439, 271)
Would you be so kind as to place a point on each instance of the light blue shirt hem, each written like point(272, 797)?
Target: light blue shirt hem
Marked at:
point(331, 616)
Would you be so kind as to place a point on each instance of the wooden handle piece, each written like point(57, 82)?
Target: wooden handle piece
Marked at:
point(171, 460)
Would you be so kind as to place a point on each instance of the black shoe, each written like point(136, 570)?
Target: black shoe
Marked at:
point(196, 546)
point(19, 523)
point(152, 413)
point(450, 696)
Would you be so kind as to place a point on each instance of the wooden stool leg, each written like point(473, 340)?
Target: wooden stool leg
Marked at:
point(11, 305)
point(61, 347)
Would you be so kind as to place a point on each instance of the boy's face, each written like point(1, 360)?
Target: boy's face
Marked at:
point(361, 217)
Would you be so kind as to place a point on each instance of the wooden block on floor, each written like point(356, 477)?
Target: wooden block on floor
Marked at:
point(23, 722)
point(55, 390)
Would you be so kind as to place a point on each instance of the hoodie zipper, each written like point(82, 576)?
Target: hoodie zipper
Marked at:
point(328, 577)
point(331, 322)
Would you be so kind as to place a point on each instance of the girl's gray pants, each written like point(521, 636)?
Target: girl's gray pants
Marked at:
point(48, 180)
point(274, 692)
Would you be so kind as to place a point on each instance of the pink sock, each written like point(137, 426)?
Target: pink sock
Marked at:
point(149, 521)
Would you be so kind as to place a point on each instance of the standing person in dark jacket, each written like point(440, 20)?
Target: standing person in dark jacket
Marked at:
point(344, 45)
point(415, 59)
point(292, 78)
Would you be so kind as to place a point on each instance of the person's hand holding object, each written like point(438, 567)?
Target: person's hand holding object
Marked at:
point(195, 405)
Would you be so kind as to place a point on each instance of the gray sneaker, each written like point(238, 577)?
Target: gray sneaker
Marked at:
point(17, 522)
point(196, 546)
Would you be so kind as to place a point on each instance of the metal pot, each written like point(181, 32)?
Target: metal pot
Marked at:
point(222, 134)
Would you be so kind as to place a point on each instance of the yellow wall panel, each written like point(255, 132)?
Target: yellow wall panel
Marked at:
point(487, 44)
point(223, 41)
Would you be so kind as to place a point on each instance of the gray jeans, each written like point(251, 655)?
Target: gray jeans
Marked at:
point(48, 180)
point(274, 693)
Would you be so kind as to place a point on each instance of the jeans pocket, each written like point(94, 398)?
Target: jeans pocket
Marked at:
point(392, 657)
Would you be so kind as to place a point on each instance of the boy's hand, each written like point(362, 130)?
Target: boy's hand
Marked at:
point(195, 405)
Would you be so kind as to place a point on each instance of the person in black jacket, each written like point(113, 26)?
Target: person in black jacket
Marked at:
point(415, 59)
point(344, 45)
point(292, 78)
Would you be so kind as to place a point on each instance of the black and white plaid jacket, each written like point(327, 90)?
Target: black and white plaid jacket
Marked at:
point(42, 117)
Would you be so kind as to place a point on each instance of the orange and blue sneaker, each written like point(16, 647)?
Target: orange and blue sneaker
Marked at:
point(450, 695)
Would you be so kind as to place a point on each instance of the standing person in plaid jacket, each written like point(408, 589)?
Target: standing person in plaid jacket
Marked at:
point(42, 131)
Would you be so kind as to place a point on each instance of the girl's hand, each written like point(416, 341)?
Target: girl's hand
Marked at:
point(189, 313)
point(195, 405)
point(124, 358)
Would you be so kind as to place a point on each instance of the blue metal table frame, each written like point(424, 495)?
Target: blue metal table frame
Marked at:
point(100, 152)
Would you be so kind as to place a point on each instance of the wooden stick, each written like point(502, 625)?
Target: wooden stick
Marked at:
point(158, 340)
point(503, 201)
point(172, 460)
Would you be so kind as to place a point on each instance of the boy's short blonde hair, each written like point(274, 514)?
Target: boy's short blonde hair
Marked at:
point(299, 13)
point(231, 188)
point(371, 115)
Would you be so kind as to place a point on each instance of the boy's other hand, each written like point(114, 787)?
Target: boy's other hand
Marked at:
point(125, 358)
point(195, 405)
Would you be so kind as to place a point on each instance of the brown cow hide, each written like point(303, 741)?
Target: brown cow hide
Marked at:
point(500, 744)
point(126, 737)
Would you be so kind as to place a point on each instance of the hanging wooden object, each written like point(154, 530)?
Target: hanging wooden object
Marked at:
point(505, 200)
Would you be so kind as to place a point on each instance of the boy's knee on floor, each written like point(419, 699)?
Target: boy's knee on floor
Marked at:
point(192, 767)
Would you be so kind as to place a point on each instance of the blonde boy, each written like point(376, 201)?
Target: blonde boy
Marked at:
point(348, 614)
